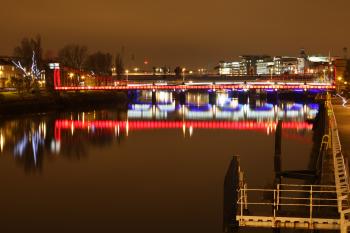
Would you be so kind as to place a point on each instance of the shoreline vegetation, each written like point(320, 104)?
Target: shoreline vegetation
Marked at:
point(44, 101)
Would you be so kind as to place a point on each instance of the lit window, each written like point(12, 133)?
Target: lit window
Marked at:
point(1, 67)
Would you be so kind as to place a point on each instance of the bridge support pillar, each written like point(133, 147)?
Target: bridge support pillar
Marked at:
point(252, 98)
point(262, 95)
point(252, 94)
point(154, 97)
point(132, 96)
point(242, 97)
point(180, 97)
point(232, 94)
point(212, 97)
point(272, 97)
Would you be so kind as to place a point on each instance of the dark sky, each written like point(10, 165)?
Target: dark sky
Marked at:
point(191, 33)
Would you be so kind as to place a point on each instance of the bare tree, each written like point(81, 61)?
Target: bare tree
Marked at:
point(73, 56)
point(119, 64)
point(29, 49)
point(100, 63)
point(29, 61)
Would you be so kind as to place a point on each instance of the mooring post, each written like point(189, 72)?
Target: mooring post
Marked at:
point(277, 168)
point(231, 190)
point(278, 152)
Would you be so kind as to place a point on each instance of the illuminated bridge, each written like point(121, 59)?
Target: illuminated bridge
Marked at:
point(287, 86)
point(301, 82)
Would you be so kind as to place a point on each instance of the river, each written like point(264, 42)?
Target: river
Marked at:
point(150, 168)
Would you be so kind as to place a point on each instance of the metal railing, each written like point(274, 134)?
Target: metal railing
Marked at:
point(293, 206)
point(290, 195)
point(341, 171)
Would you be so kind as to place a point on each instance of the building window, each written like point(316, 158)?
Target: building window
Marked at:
point(1, 67)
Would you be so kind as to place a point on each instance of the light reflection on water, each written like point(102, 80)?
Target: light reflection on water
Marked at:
point(227, 114)
point(195, 141)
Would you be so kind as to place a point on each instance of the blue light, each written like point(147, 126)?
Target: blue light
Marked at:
point(201, 108)
point(314, 106)
point(266, 107)
point(230, 109)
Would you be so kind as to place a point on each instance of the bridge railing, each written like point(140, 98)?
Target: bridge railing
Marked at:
point(289, 200)
point(341, 171)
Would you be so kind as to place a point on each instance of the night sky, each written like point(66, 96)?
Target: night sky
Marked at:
point(190, 33)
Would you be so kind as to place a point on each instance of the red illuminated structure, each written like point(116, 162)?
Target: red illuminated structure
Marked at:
point(260, 85)
point(194, 86)
point(148, 125)
point(272, 86)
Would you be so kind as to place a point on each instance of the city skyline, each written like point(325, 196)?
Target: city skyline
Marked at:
point(194, 34)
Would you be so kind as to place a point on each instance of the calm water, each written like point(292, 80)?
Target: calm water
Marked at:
point(149, 169)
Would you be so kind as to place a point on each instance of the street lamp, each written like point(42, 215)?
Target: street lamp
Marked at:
point(127, 75)
point(183, 74)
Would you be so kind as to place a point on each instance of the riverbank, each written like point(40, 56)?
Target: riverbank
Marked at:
point(13, 103)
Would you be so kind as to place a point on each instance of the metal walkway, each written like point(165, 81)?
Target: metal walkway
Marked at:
point(293, 206)
point(314, 207)
point(341, 173)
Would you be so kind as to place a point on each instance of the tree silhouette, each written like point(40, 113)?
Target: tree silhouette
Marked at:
point(100, 63)
point(24, 52)
point(73, 56)
point(119, 65)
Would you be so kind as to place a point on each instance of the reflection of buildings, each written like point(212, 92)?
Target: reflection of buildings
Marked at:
point(25, 140)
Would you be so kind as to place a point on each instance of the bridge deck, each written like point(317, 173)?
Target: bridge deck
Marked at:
point(205, 86)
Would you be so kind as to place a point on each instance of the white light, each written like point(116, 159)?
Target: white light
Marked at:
point(191, 130)
point(2, 142)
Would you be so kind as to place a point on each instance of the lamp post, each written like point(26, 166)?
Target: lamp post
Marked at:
point(127, 75)
point(183, 74)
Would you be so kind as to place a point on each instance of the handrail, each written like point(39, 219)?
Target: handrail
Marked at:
point(341, 173)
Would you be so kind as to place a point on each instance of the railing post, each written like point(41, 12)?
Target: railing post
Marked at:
point(241, 199)
point(274, 205)
point(343, 227)
point(245, 197)
point(278, 196)
point(311, 202)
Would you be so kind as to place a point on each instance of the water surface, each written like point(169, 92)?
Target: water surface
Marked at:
point(152, 168)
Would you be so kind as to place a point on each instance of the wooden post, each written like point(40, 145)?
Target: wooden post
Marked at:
point(278, 152)
point(231, 189)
